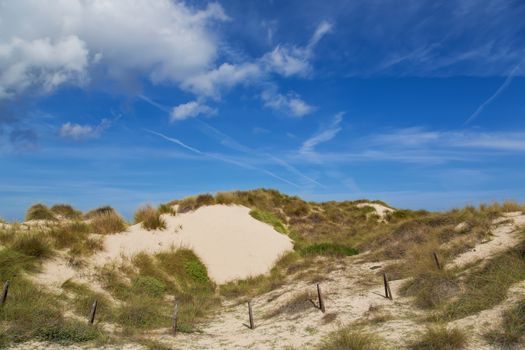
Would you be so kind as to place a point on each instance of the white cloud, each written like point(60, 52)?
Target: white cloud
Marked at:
point(81, 132)
point(163, 39)
point(290, 104)
point(308, 146)
point(190, 110)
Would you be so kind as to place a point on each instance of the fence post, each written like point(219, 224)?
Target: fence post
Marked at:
point(320, 298)
point(175, 313)
point(4, 293)
point(388, 292)
point(250, 315)
point(93, 312)
point(436, 259)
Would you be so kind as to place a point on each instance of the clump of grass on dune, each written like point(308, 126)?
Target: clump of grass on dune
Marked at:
point(270, 219)
point(193, 203)
point(167, 209)
point(441, 338)
point(39, 212)
point(106, 221)
point(66, 211)
point(35, 244)
point(512, 329)
point(328, 249)
point(81, 297)
point(488, 286)
point(348, 339)
point(150, 218)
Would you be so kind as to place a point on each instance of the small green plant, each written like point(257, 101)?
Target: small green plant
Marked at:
point(441, 338)
point(148, 285)
point(349, 339)
point(142, 312)
point(39, 212)
point(67, 332)
point(330, 249)
point(150, 218)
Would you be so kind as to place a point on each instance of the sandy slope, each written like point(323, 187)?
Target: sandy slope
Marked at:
point(231, 243)
point(380, 209)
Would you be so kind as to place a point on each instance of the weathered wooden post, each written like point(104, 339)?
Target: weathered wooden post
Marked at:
point(250, 315)
point(4, 293)
point(320, 298)
point(436, 259)
point(93, 312)
point(175, 313)
point(388, 292)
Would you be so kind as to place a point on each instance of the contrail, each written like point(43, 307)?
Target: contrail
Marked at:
point(231, 143)
point(502, 88)
point(221, 158)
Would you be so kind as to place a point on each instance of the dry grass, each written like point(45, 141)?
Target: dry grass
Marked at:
point(34, 244)
point(149, 218)
point(511, 332)
point(66, 211)
point(39, 212)
point(296, 304)
point(441, 338)
point(108, 222)
point(351, 339)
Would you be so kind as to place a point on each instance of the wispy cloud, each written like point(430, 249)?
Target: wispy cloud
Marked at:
point(308, 146)
point(291, 103)
point(221, 157)
point(502, 88)
point(190, 109)
point(79, 132)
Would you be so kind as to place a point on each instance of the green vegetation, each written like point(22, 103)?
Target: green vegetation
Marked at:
point(39, 212)
point(512, 330)
point(150, 218)
point(99, 211)
point(270, 219)
point(166, 209)
point(441, 338)
point(349, 339)
point(32, 244)
point(328, 249)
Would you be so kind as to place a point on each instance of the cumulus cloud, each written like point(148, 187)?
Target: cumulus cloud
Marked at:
point(79, 132)
point(163, 39)
point(291, 103)
point(190, 110)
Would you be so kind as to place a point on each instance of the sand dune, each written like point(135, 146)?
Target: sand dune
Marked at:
point(231, 243)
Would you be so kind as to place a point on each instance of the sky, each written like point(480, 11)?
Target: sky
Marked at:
point(417, 103)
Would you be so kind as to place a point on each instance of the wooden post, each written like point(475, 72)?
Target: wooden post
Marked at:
point(388, 292)
point(93, 312)
point(320, 298)
point(175, 312)
point(436, 259)
point(250, 315)
point(4, 292)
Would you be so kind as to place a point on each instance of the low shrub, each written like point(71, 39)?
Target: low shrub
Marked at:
point(67, 332)
point(142, 312)
point(328, 249)
point(441, 338)
point(150, 218)
point(39, 212)
point(149, 286)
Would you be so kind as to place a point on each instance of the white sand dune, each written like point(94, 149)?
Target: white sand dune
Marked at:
point(231, 243)
point(380, 209)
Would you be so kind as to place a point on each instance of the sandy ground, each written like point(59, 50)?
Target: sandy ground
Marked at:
point(504, 236)
point(381, 210)
point(231, 243)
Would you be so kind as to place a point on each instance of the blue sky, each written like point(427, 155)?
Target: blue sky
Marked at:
point(418, 103)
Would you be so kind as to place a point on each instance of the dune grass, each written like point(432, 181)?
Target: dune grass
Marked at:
point(34, 244)
point(149, 218)
point(108, 222)
point(39, 212)
point(328, 249)
point(350, 339)
point(66, 211)
point(440, 338)
point(270, 219)
point(511, 332)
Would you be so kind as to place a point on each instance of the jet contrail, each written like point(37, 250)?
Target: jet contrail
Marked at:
point(221, 158)
point(502, 88)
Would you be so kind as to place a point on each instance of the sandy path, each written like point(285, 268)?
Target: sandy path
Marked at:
point(505, 235)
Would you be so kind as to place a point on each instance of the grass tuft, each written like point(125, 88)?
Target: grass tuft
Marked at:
point(512, 330)
point(106, 223)
point(270, 219)
point(328, 249)
point(348, 339)
point(66, 211)
point(441, 338)
point(39, 212)
point(32, 244)
point(150, 218)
